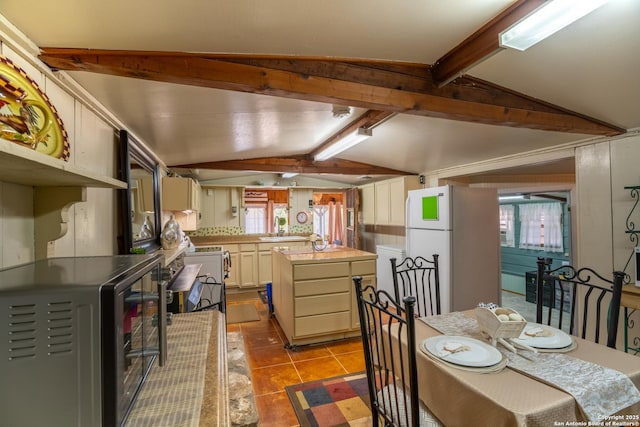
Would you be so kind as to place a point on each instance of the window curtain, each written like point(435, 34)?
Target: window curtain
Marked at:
point(532, 218)
point(507, 225)
point(335, 222)
point(531, 225)
point(271, 226)
point(553, 227)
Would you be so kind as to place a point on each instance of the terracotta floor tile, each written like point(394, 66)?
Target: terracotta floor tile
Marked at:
point(316, 369)
point(346, 346)
point(261, 357)
point(352, 362)
point(261, 339)
point(274, 378)
point(275, 410)
point(309, 352)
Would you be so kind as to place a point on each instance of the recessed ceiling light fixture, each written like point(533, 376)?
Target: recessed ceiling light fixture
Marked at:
point(345, 143)
point(549, 18)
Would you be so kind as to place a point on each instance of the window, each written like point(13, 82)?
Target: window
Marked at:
point(507, 226)
point(280, 210)
point(255, 218)
point(328, 221)
point(541, 226)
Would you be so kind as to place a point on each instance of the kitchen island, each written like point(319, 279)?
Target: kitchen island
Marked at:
point(313, 294)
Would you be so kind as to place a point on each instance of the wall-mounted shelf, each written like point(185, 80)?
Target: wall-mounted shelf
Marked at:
point(23, 166)
point(58, 185)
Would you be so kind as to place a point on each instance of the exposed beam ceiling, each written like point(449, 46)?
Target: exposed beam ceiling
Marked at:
point(481, 44)
point(299, 164)
point(375, 85)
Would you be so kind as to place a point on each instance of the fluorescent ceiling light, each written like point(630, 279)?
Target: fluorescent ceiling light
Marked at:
point(519, 197)
point(289, 174)
point(345, 143)
point(545, 21)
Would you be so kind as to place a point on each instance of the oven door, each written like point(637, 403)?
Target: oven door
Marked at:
point(140, 337)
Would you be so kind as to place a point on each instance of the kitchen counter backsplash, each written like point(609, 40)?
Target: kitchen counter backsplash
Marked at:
point(216, 231)
point(297, 229)
point(239, 238)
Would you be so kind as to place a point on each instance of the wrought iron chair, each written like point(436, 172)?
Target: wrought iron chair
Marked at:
point(571, 286)
point(391, 368)
point(421, 278)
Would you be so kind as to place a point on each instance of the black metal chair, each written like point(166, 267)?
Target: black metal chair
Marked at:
point(421, 278)
point(391, 368)
point(576, 296)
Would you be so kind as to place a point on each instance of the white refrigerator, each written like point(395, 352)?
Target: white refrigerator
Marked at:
point(461, 225)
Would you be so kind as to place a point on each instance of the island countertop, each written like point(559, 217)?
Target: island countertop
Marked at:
point(331, 253)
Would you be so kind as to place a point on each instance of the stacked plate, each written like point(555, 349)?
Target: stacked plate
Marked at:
point(545, 338)
point(464, 353)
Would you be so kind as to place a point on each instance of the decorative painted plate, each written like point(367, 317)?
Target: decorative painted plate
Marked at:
point(27, 118)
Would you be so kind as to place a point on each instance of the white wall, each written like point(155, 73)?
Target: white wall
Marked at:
point(91, 224)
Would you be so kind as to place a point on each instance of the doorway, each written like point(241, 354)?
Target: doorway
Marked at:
point(532, 224)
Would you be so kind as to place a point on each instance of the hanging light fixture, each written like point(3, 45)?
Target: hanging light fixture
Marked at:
point(343, 144)
point(549, 18)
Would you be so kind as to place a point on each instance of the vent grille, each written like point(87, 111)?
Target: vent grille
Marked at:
point(59, 328)
point(29, 325)
point(22, 331)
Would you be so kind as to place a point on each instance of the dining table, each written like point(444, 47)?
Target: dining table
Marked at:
point(527, 388)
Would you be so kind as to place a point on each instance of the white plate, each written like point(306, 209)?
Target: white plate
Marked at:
point(559, 339)
point(479, 354)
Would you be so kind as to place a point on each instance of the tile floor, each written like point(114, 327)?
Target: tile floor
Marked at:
point(273, 367)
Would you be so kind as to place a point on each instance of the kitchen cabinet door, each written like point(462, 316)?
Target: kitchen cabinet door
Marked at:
point(382, 200)
point(248, 265)
point(264, 267)
point(180, 194)
point(368, 201)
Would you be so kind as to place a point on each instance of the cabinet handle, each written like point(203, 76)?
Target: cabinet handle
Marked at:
point(162, 326)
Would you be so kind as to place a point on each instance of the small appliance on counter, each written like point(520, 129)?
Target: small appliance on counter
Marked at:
point(79, 337)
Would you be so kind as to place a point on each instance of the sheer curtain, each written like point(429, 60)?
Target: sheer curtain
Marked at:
point(553, 227)
point(507, 225)
point(335, 221)
point(532, 218)
point(271, 226)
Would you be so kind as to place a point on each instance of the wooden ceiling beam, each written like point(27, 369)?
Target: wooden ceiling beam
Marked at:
point(480, 45)
point(300, 164)
point(373, 85)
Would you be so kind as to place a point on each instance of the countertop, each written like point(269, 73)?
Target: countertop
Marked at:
point(244, 238)
point(331, 253)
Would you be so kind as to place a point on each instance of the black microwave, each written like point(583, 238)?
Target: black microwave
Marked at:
point(79, 336)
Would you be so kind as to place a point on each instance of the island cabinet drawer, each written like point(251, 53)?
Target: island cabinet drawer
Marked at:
point(363, 268)
point(322, 304)
point(322, 286)
point(322, 324)
point(320, 271)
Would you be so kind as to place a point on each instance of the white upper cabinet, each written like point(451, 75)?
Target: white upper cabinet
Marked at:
point(180, 194)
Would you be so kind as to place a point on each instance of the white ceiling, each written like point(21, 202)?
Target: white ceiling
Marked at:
point(591, 68)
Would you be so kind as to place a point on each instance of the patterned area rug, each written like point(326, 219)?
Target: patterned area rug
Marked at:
point(238, 313)
point(339, 401)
